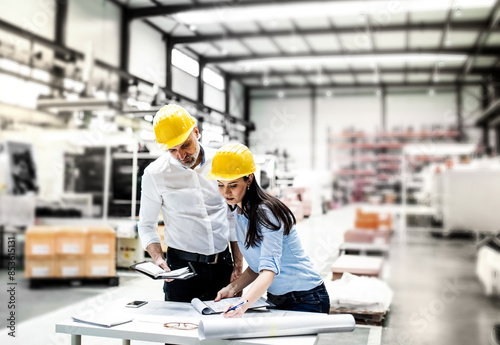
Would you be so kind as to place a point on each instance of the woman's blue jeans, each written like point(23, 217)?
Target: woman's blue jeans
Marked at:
point(315, 300)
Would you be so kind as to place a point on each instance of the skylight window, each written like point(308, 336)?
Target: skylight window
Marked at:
point(185, 63)
point(213, 79)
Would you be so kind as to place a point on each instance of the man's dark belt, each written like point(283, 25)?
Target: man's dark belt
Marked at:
point(195, 257)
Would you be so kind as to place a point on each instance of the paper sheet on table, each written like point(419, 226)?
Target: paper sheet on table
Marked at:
point(257, 327)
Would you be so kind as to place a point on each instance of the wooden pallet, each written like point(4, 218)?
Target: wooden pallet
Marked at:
point(362, 317)
point(36, 283)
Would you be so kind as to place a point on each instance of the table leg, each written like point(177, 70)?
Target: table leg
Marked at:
point(76, 339)
point(126, 342)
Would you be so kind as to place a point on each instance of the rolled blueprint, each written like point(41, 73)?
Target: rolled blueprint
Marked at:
point(257, 327)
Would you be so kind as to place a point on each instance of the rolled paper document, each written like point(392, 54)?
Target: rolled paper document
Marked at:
point(257, 327)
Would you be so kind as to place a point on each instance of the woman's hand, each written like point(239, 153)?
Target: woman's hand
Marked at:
point(238, 312)
point(225, 292)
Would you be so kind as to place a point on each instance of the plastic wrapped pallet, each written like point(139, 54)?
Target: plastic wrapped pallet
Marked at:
point(359, 294)
point(488, 266)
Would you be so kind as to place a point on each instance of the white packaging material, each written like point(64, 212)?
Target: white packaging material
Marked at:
point(488, 270)
point(359, 293)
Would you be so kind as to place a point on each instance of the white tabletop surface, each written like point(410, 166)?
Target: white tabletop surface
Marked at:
point(149, 319)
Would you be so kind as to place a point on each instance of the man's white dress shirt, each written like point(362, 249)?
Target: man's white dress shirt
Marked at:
point(196, 216)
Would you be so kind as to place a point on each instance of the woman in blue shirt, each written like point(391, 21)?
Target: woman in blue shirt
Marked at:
point(267, 238)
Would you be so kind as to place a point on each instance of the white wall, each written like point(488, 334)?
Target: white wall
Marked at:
point(184, 83)
point(420, 109)
point(36, 16)
point(283, 124)
point(95, 22)
point(340, 113)
point(147, 53)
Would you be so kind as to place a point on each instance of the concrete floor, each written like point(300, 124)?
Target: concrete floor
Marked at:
point(437, 297)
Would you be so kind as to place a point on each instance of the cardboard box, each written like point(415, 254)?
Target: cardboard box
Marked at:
point(70, 241)
point(39, 268)
point(100, 267)
point(101, 242)
point(40, 242)
point(70, 267)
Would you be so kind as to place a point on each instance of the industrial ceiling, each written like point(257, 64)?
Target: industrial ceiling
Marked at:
point(296, 44)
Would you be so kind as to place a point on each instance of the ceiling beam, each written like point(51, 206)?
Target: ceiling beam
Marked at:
point(461, 26)
point(485, 32)
point(148, 11)
point(343, 71)
point(490, 52)
point(360, 85)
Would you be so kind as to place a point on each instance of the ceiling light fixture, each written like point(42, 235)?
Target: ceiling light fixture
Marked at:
point(447, 38)
point(281, 94)
point(328, 93)
point(312, 9)
point(431, 92)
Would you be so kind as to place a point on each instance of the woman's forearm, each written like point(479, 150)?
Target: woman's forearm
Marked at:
point(260, 285)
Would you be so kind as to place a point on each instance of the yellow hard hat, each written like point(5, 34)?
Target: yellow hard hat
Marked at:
point(172, 125)
point(231, 162)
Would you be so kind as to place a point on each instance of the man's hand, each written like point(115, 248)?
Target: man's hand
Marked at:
point(237, 270)
point(163, 264)
point(238, 261)
point(154, 250)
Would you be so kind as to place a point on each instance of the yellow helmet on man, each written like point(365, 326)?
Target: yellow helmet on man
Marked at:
point(231, 162)
point(172, 125)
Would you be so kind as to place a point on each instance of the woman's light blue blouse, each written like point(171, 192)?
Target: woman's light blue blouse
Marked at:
point(281, 254)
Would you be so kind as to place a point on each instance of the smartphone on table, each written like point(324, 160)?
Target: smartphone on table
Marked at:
point(136, 304)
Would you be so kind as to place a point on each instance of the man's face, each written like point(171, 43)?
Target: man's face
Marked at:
point(187, 153)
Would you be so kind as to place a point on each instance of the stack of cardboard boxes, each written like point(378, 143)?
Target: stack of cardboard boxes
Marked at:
point(70, 252)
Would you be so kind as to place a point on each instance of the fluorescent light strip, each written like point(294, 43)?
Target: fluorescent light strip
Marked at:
point(321, 9)
point(366, 59)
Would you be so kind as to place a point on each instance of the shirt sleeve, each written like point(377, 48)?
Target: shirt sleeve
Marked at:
point(149, 211)
point(232, 225)
point(271, 246)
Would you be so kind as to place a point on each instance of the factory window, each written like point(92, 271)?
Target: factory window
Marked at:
point(213, 79)
point(19, 92)
point(185, 63)
point(213, 135)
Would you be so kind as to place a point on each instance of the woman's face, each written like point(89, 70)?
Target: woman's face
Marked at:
point(234, 191)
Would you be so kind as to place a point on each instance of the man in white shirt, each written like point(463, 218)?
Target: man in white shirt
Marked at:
point(198, 224)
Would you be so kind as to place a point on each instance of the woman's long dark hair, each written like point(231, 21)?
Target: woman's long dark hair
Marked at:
point(253, 199)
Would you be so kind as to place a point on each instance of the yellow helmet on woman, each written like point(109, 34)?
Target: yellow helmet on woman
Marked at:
point(172, 125)
point(231, 162)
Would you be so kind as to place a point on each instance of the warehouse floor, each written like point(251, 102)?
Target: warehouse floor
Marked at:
point(437, 297)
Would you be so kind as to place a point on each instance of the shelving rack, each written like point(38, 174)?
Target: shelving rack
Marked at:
point(368, 165)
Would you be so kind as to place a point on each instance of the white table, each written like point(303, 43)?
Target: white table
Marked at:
point(148, 326)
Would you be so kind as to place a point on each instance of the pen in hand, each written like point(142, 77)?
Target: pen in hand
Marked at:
point(237, 305)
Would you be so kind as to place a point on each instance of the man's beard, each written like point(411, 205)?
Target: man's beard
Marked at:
point(193, 157)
